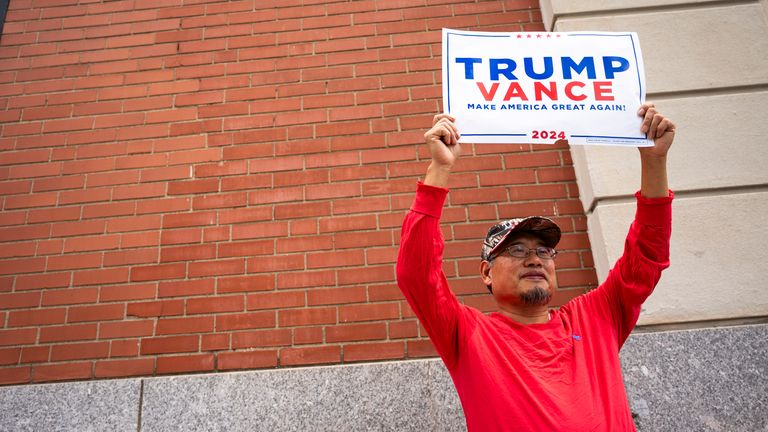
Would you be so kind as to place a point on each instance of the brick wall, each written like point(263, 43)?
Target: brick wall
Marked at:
point(196, 186)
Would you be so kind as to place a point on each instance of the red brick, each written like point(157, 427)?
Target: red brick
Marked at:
point(217, 268)
point(70, 296)
point(101, 276)
point(18, 336)
point(356, 332)
point(247, 360)
point(262, 338)
point(167, 326)
point(349, 223)
point(231, 200)
point(158, 272)
point(335, 259)
point(369, 312)
point(124, 329)
point(96, 313)
point(278, 195)
point(134, 256)
point(9, 356)
point(420, 348)
point(68, 333)
point(124, 348)
point(193, 186)
point(188, 363)
point(170, 344)
point(48, 280)
point(307, 335)
point(187, 253)
point(329, 296)
point(251, 215)
point(156, 308)
point(270, 264)
point(163, 205)
point(61, 372)
point(310, 355)
point(31, 200)
point(181, 236)
point(17, 375)
point(80, 351)
point(244, 321)
point(374, 351)
point(233, 303)
point(246, 283)
point(403, 329)
point(306, 279)
point(124, 368)
point(35, 354)
point(186, 288)
point(215, 342)
point(20, 300)
point(312, 316)
point(275, 300)
point(36, 317)
point(355, 240)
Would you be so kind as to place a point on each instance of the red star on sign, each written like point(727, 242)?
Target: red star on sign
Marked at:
point(538, 36)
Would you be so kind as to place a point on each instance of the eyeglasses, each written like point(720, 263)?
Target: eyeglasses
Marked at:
point(520, 251)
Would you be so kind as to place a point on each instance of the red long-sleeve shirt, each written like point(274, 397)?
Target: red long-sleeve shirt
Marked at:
point(563, 375)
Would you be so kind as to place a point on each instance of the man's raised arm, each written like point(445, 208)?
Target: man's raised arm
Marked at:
point(653, 177)
point(443, 142)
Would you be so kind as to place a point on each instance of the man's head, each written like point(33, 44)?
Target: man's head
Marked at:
point(518, 260)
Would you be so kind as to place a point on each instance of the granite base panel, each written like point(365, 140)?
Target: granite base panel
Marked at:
point(713, 379)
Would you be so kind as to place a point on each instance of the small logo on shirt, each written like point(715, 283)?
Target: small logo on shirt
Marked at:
point(576, 337)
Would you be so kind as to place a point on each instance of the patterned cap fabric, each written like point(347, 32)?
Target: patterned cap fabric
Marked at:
point(541, 227)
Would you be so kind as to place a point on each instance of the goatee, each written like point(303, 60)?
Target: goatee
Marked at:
point(537, 296)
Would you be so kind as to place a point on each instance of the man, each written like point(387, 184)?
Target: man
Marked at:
point(525, 368)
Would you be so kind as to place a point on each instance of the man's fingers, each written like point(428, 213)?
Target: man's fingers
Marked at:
point(648, 119)
point(442, 131)
point(439, 117)
point(446, 129)
point(655, 121)
point(664, 127)
point(644, 107)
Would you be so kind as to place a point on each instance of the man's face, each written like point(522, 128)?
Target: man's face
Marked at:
point(521, 281)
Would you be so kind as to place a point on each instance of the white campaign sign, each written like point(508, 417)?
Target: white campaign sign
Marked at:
point(585, 87)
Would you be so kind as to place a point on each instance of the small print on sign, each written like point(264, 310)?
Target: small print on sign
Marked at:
point(584, 87)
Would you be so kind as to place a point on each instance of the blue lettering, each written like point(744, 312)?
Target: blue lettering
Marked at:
point(587, 63)
point(469, 66)
point(496, 70)
point(610, 68)
point(548, 69)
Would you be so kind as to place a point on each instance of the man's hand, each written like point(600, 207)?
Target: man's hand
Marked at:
point(658, 128)
point(653, 160)
point(443, 142)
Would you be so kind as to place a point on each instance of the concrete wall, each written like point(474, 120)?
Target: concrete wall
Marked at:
point(707, 69)
point(703, 380)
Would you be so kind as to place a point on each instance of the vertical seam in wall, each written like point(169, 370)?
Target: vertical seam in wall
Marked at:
point(141, 404)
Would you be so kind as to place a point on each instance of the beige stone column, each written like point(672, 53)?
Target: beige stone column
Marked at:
point(707, 69)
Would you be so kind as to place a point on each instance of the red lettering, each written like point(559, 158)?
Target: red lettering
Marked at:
point(486, 94)
point(569, 91)
point(515, 91)
point(550, 91)
point(603, 90)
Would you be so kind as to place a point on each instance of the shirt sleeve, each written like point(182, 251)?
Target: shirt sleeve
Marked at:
point(420, 273)
point(646, 254)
